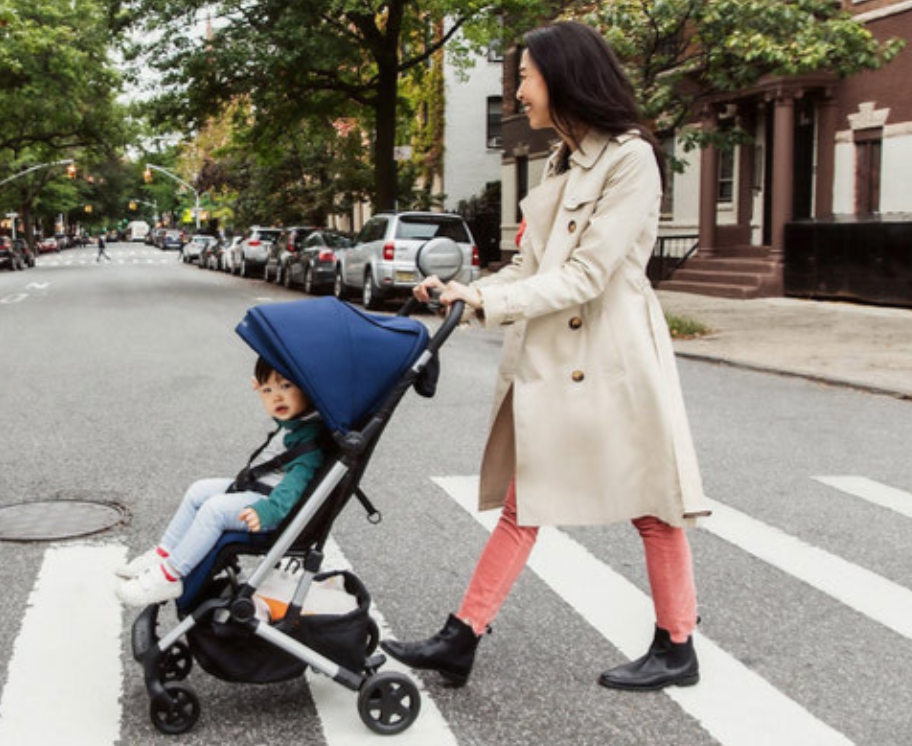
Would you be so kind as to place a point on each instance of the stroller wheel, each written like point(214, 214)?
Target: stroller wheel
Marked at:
point(178, 713)
point(176, 663)
point(388, 703)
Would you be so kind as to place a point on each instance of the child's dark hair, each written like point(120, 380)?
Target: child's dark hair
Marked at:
point(262, 370)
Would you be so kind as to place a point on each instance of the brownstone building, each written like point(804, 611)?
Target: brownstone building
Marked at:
point(825, 152)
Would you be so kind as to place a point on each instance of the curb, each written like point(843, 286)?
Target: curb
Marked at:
point(828, 380)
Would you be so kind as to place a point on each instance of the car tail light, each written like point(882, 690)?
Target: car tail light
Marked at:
point(253, 242)
point(389, 251)
point(326, 255)
point(476, 257)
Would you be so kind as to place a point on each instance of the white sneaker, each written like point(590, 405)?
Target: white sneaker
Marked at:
point(150, 587)
point(140, 564)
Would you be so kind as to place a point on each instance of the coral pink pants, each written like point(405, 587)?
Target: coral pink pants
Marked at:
point(668, 564)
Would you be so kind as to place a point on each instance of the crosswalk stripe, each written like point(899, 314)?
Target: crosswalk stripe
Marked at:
point(337, 705)
point(883, 495)
point(70, 633)
point(864, 591)
point(732, 703)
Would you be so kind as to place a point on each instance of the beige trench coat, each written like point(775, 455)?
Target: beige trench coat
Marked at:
point(588, 413)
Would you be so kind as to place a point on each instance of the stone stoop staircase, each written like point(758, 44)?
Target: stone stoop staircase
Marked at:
point(738, 272)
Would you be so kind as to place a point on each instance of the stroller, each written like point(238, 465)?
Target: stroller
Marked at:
point(322, 345)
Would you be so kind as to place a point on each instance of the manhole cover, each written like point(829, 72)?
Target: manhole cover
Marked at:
point(48, 520)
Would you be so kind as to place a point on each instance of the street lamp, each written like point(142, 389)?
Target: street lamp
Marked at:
point(153, 205)
point(68, 161)
point(147, 175)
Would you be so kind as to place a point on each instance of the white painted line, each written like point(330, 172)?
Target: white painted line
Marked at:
point(338, 706)
point(862, 590)
point(64, 675)
point(874, 492)
point(731, 702)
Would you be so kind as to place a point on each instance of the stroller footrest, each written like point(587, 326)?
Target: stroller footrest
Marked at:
point(144, 635)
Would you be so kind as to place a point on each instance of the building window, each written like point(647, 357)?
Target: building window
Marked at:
point(868, 145)
point(495, 115)
point(725, 192)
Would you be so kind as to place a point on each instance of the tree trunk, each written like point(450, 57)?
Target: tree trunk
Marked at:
point(385, 176)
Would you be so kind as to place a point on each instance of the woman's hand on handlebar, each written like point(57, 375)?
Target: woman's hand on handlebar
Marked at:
point(452, 292)
point(423, 290)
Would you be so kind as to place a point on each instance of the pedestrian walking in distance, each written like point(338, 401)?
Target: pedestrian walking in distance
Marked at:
point(101, 249)
point(588, 425)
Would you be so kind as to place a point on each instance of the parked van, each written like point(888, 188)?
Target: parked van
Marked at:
point(137, 230)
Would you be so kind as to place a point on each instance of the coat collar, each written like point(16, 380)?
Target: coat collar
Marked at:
point(590, 150)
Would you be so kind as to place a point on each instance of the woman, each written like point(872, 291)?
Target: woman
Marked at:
point(589, 425)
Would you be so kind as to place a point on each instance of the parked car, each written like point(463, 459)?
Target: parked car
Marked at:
point(225, 253)
point(381, 263)
point(196, 245)
point(209, 256)
point(49, 244)
point(313, 266)
point(25, 251)
point(171, 240)
point(282, 252)
point(251, 252)
point(10, 257)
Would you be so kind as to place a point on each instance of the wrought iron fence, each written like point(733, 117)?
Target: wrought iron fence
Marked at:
point(669, 253)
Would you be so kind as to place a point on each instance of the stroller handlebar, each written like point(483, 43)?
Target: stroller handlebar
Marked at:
point(452, 320)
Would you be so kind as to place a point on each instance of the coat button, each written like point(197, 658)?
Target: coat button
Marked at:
point(576, 322)
point(577, 376)
point(571, 226)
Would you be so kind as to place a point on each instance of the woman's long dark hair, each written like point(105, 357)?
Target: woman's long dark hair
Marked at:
point(586, 83)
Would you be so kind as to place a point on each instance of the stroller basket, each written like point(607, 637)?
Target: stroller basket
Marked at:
point(233, 654)
point(355, 367)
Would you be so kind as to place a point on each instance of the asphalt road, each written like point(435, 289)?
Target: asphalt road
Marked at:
point(124, 382)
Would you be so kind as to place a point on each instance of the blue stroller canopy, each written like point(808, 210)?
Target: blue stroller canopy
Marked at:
point(345, 360)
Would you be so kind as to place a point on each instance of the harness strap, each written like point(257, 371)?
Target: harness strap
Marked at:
point(248, 477)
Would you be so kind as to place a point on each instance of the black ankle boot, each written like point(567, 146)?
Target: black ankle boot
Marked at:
point(666, 663)
point(451, 652)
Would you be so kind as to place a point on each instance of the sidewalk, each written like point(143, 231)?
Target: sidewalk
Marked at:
point(866, 347)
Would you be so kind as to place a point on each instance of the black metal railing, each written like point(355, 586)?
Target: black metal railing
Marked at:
point(669, 253)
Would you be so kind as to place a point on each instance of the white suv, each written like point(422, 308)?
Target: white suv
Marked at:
point(381, 263)
point(252, 252)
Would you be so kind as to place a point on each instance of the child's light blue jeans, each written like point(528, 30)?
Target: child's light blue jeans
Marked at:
point(205, 513)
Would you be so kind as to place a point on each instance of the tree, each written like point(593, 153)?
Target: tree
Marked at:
point(680, 50)
point(297, 60)
point(57, 92)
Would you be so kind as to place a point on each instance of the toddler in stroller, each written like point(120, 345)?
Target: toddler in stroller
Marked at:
point(259, 498)
point(354, 368)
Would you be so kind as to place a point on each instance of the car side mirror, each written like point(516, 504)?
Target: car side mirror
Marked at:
point(441, 257)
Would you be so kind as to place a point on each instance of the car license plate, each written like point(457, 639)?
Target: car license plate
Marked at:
point(404, 275)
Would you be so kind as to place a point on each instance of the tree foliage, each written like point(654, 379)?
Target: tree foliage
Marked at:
point(58, 97)
point(680, 50)
point(303, 59)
